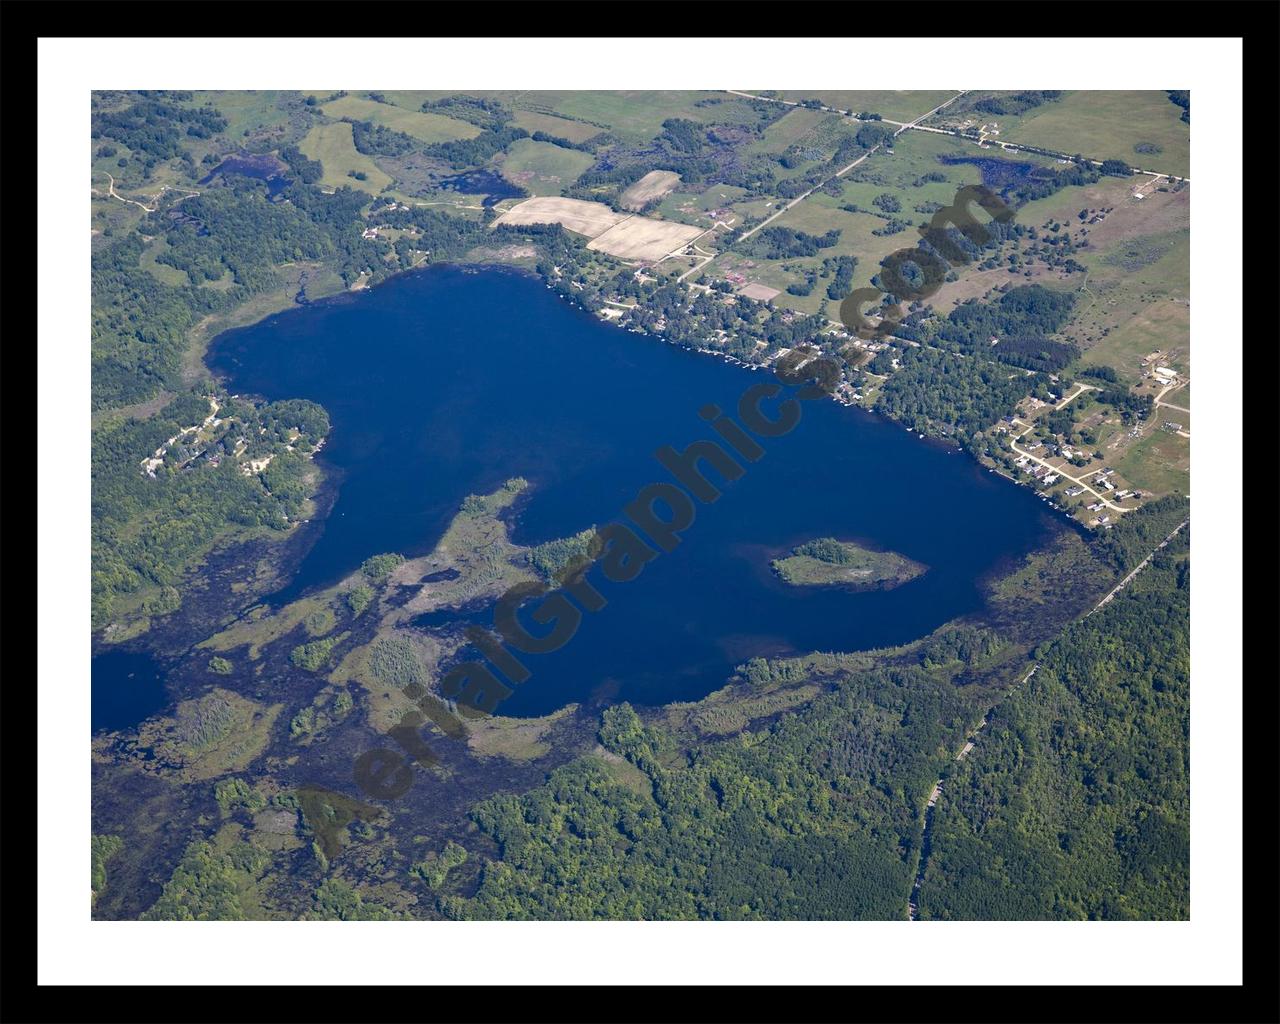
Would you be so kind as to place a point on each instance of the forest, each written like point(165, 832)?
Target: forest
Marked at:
point(813, 817)
point(1020, 323)
point(1075, 804)
point(942, 392)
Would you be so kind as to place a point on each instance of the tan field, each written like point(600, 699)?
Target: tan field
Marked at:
point(653, 185)
point(585, 218)
point(643, 238)
point(760, 292)
point(637, 238)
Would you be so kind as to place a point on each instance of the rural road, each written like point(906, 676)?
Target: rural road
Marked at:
point(913, 909)
point(839, 174)
point(913, 906)
point(1013, 443)
point(1010, 147)
point(1140, 566)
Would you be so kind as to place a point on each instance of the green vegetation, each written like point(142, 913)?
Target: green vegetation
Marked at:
point(1104, 124)
point(320, 622)
point(814, 817)
point(315, 655)
point(377, 568)
point(830, 562)
point(541, 168)
point(1075, 803)
point(103, 848)
point(425, 127)
point(359, 598)
point(210, 735)
point(395, 661)
point(232, 794)
point(336, 900)
point(333, 146)
point(553, 556)
point(221, 666)
point(942, 392)
point(436, 868)
point(208, 885)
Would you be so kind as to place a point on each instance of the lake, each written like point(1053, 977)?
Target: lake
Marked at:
point(127, 687)
point(448, 381)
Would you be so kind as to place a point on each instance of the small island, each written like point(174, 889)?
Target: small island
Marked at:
point(827, 562)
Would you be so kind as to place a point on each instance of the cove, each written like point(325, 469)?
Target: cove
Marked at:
point(448, 381)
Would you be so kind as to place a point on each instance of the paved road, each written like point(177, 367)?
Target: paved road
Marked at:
point(839, 174)
point(1013, 443)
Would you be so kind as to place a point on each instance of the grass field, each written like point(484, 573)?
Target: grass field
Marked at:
point(162, 272)
point(543, 168)
point(1130, 311)
point(1104, 125)
point(915, 155)
point(791, 128)
point(635, 116)
point(253, 110)
point(1160, 462)
point(561, 127)
point(428, 128)
point(898, 105)
point(332, 145)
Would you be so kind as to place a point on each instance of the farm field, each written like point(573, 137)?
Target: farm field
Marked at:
point(650, 187)
point(644, 238)
point(332, 145)
point(429, 128)
point(543, 168)
point(895, 104)
point(1105, 125)
point(578, 215)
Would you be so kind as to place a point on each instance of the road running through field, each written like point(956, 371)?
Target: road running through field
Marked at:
point(804, 195)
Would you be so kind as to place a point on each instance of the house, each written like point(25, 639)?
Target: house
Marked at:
point(1052, 477)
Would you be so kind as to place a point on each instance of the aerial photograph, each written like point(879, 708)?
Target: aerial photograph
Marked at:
point(764, 504)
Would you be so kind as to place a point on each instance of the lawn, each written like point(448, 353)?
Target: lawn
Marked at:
point(332, 145)
point(1105, 125)
point(428, 128)
point(544, 169)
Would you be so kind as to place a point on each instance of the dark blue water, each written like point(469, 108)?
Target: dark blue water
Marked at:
point(999, 173)
point(446, 382)
point(494, 187)
point(128, 686)
point(265, 168)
